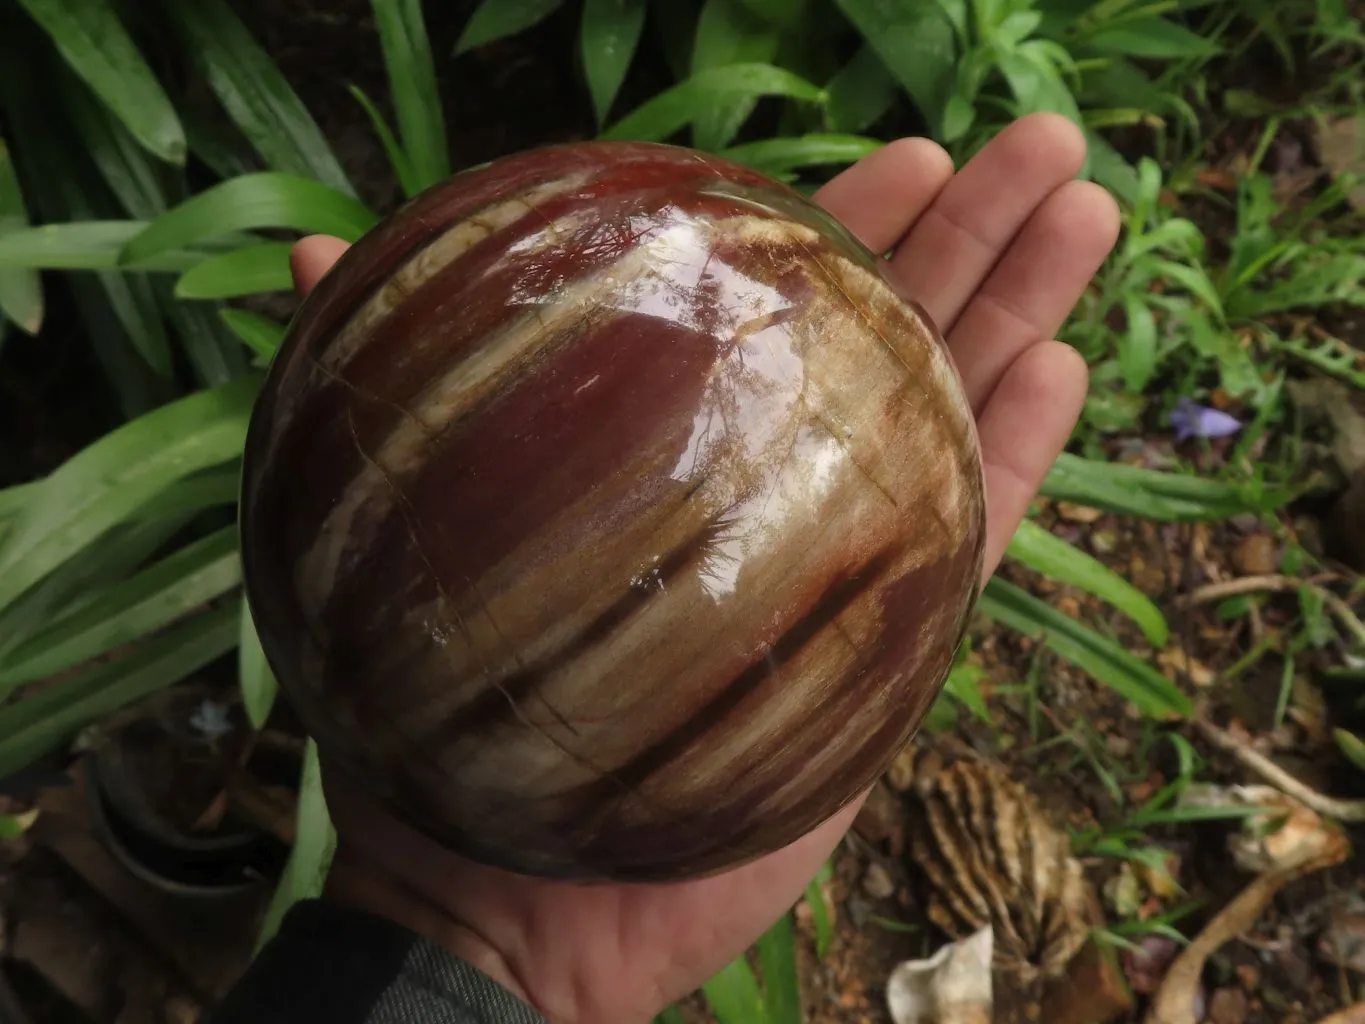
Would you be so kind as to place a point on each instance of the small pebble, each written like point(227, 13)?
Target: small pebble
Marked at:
point(877, 882)
point(1256, 555)
point(1249, 975)
point(1103, 542)
point(1119, 746)
point(1074, 513)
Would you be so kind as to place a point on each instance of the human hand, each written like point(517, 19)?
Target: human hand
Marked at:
point(997, 254)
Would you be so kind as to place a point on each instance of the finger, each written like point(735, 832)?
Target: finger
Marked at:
point(954, 245)
point(311, 258)
point(880, 196)
point(1023, 428)
point(1035, 286)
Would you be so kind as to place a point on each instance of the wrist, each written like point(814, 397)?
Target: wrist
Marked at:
point(354, 881)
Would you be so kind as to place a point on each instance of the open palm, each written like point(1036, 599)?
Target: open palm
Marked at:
point(998, 254)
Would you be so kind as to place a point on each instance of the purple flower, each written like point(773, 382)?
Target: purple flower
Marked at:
point(1191, 419)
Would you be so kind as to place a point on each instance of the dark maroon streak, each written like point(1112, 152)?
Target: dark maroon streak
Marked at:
point(494, 484)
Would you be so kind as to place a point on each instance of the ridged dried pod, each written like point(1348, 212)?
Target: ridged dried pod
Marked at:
point(608, 514)
point(991, 856)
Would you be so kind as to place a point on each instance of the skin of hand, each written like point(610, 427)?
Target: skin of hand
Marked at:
point(998, 253)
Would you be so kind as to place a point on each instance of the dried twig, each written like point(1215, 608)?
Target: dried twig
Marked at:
point(1279, 584)
point(1328, 806)
point(1174, 1001)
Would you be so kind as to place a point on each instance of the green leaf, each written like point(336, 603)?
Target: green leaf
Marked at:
point(778, 156)
point(787, 15)
point(258, 333)
point(1351, 745)
point(97, 47)
point(727, 33)
point(670, 1015)
point(497, 19)
point(1151, 692)
point(213, 352)
point(21, 289)
point(95, 245)
point(1046, 553)
point(777, 960)
point(414, 91)
point(1195, 280)
point(916, 43)
point(115, 478)
point(1138, 346)
point(1153, 494)
point(607, 38)
point(393, 149)
point(32, 727)
point(860, 93)
point(254, 92)
point(138, 180)
point(963, 686)
point(819, 910)
point(314, 843)
point(265, 200)
point(658, 118)
point(254, 676)
point(79, 582)
point(143, 604)
point(12, 826)
point(734, 995)
point(1152, 38)
point(249, 271)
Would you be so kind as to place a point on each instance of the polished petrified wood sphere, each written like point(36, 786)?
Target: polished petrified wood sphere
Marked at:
point(608, 515)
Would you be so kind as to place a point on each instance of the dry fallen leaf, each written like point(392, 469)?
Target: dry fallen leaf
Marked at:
point(951, 987)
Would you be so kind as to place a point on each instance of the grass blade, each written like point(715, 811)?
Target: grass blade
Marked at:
point(673, 109)
point(917, 45)
point(142, 604)
point(1151, 692)
point(112, 480)
point(398, 159)
point(97, 245)
point(266, 200)
point(249, 271)
point(258, 333)
point(212, 351)
point(779, 156)
point(777, 959)
point(137, 180)
point(727, 33)
point(254, 676)
point(1045, 553)
point(1151, 38)
point(607, 39)
point(734, 995)
point(21, 289)
point(97, 47)
point(80, 581)
point(255, 92)
point(819, 910)
point(36, 725)
point(314, 843)
point(1153, 494)
point(497, 19)
point(413, 90)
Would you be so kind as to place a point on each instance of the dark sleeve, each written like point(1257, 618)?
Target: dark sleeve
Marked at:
point(334, 965)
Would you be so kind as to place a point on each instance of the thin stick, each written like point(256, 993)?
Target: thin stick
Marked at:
point(1278, 584)
point(1174, 1001)
point(1328, 806)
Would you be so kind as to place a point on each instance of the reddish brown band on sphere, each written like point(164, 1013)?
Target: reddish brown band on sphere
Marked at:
point(609, 516)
